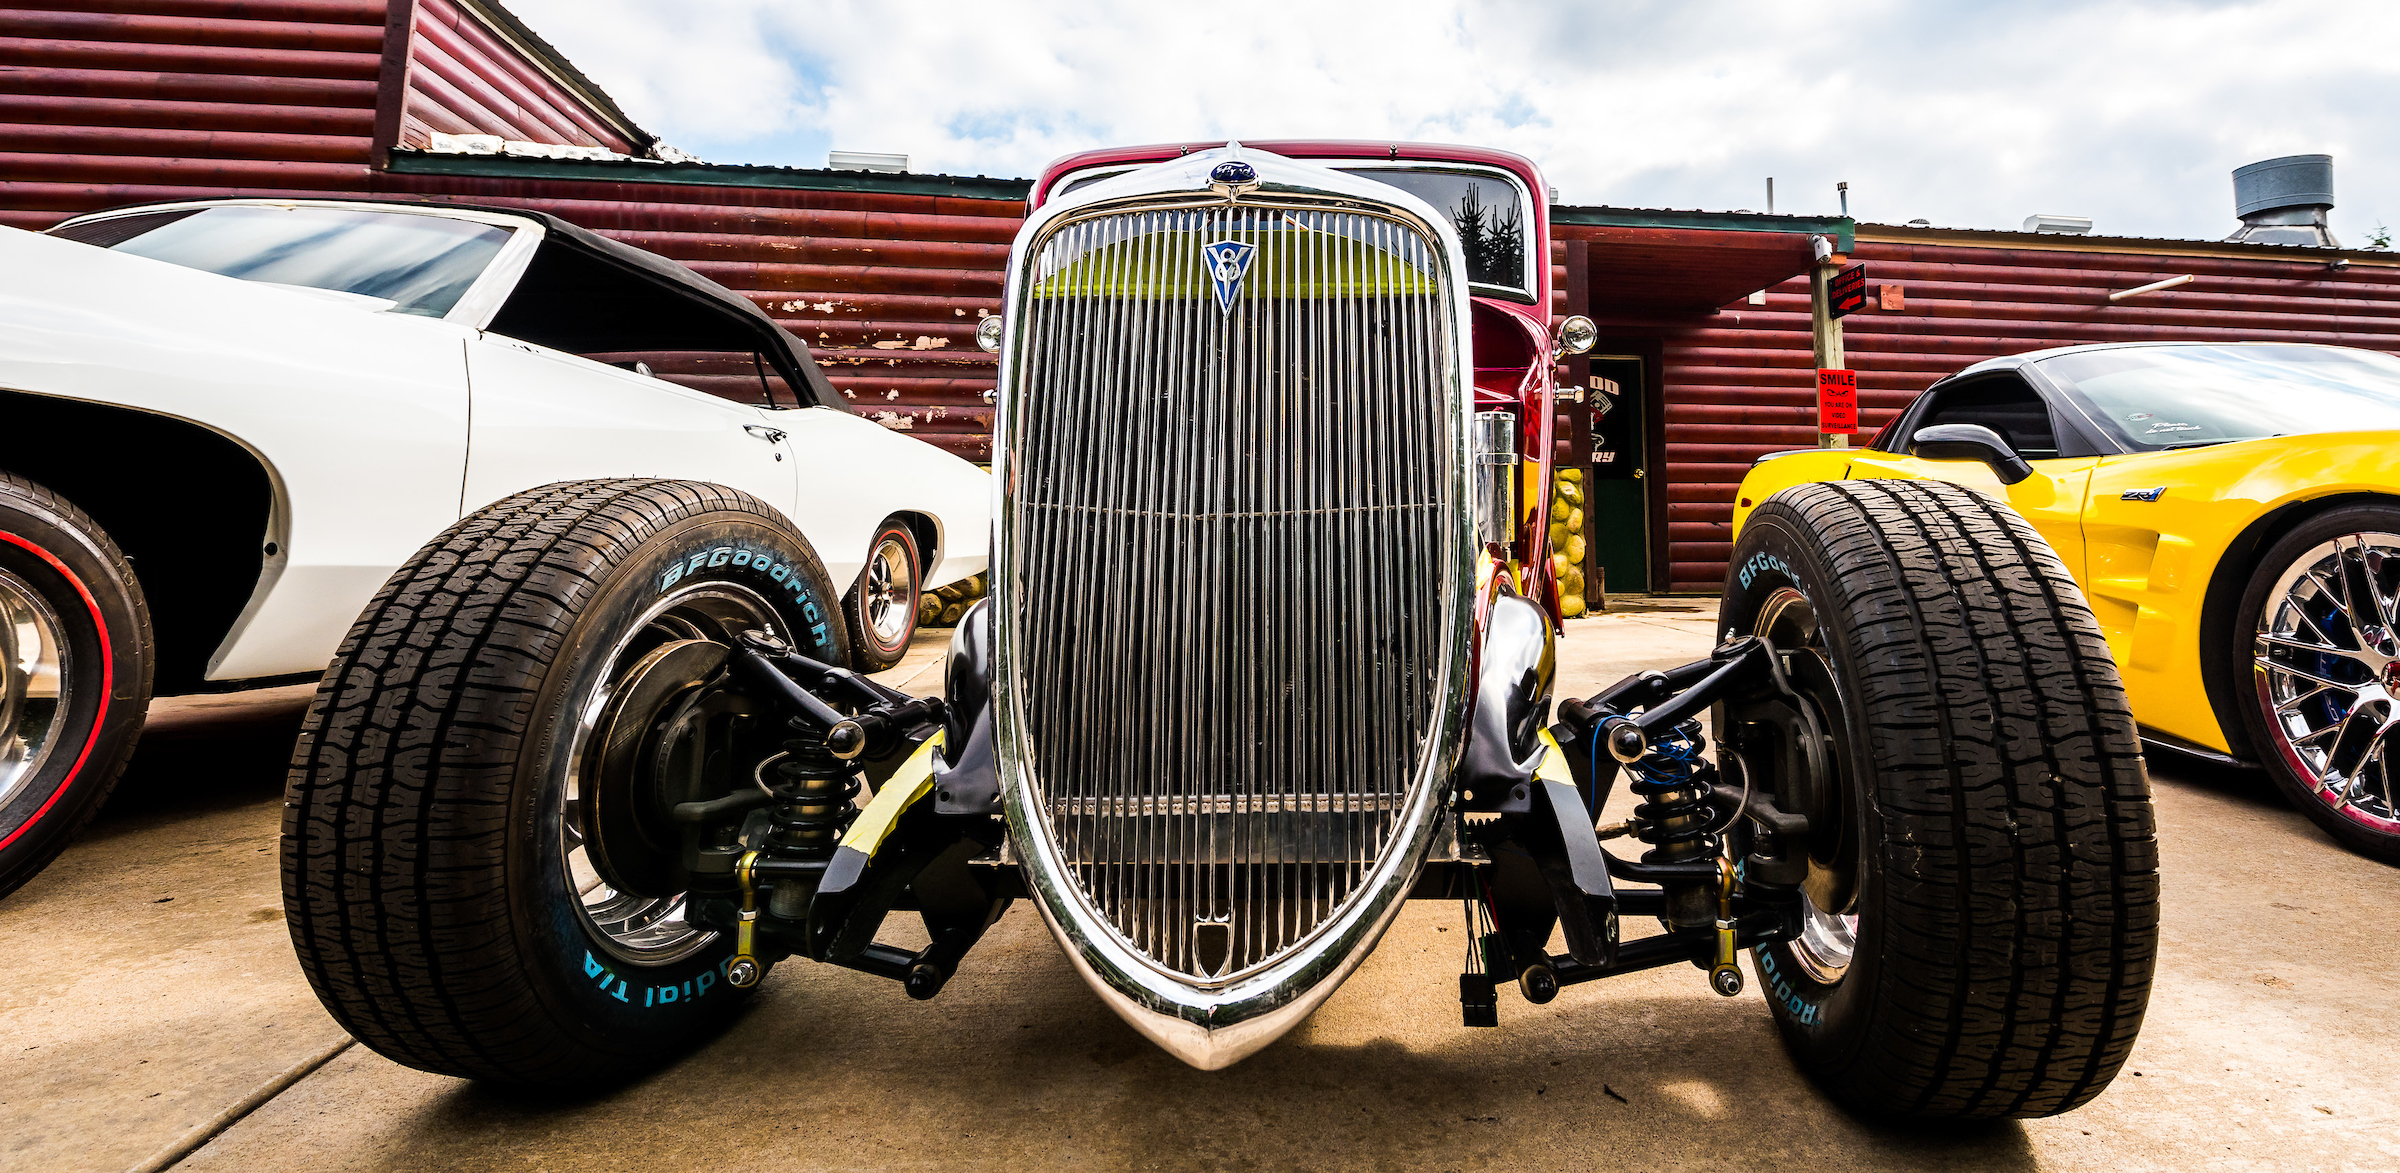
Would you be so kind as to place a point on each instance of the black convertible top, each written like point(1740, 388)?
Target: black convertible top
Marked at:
point(562, 307)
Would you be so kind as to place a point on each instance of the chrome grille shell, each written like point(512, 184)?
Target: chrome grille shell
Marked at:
point(1117, 848)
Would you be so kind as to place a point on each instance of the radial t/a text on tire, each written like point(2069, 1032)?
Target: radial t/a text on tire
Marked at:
point(1992, 954)
point(443, 878)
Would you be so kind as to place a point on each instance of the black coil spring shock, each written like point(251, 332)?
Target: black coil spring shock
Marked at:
point(817, 789)
point(1675, 818)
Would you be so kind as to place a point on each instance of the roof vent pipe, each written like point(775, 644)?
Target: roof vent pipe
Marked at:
point(2284, 201)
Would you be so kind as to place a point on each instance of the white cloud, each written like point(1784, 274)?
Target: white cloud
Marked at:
point(1962, 113)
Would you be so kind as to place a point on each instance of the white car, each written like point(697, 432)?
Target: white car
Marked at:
point(225, 423)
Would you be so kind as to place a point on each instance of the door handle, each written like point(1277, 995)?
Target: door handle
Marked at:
point(763, 432)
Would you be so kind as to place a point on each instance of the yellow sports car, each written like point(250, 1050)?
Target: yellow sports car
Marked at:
point(2232, 510)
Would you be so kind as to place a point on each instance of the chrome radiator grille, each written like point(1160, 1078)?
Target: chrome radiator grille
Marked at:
point(1228, 537)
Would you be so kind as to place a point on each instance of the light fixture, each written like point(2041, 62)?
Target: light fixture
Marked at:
point(987, 334)
point(1577, 334)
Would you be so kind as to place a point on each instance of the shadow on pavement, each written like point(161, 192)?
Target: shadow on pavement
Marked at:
point(1646, 1081)
point(202, 754)
point(2247, 785)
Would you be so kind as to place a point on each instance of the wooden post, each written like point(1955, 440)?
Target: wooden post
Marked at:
point(391, 81)
point(1827, 330)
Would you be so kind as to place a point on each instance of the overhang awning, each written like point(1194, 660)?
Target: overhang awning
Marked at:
point(1645, 261)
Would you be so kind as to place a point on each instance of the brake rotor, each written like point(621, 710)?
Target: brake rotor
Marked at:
point(1821, 790)
point(1807, 765)
point(641, 766)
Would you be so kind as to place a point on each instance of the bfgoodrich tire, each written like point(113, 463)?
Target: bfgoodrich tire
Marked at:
point(436, 881)
point(74, 674)
point(1992, 954)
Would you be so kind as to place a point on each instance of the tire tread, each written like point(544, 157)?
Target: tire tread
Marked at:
point(397, 806)
point(2020, 853)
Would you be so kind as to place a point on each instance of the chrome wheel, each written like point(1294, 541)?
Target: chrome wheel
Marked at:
point(1827, 941)
point(646, 929)
point(35, 683)
point(1813, 778)
point(1803, 760)
point(2327, 674)
point(890, 591)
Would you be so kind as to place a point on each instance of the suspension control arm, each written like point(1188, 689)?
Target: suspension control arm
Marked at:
point(887, 719)
point(1667, 699)
point(1686, 945)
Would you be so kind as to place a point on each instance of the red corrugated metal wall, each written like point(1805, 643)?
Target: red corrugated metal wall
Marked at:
point(107, 102)
point(1741, 382)
point(464, 80)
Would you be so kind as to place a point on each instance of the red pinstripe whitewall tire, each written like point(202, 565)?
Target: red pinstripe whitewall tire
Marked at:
point(74, 674)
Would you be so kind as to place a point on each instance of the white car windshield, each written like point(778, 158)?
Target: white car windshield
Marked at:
point(2161, 397)
point(420, 264)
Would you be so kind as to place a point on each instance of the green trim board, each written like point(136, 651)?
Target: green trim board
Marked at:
point(408, 162)
point(1842, 228)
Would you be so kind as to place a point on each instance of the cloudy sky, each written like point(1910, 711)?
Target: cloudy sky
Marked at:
point(1969, 114)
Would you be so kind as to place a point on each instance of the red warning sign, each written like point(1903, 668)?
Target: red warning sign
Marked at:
point(1837, 402)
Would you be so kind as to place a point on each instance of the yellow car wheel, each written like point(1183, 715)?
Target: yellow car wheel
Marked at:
point(2322, 694)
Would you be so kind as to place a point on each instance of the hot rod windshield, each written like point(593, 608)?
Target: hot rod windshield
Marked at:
point(420, 264)
point(1487, 210)
point(2160, 397)
point(1485, 205)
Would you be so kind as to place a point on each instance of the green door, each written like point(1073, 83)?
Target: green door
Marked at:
point(1616, 515)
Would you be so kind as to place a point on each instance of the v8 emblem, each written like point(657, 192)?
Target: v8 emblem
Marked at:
point(1227, 262)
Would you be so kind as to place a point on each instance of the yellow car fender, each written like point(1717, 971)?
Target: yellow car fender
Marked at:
point(1777, 471)
point(2150, 543)
point(2158, 528)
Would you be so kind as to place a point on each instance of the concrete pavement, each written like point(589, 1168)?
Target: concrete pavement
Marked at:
point(146, 983)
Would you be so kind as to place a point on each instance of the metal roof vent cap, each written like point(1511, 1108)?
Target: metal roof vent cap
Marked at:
point(2059, 225)
point(2284, 201)
point(866, 161)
